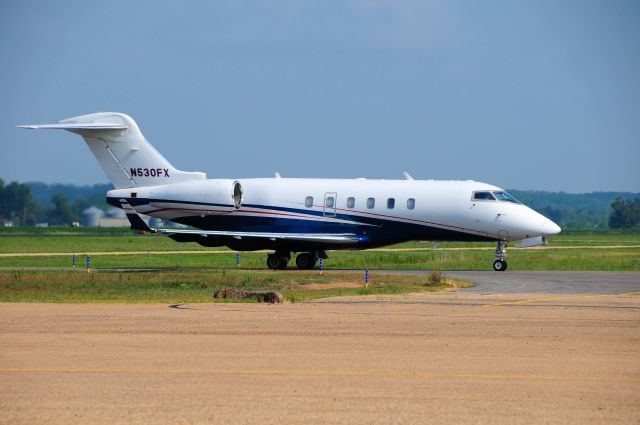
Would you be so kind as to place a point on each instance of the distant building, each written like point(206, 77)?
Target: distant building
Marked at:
point(115, 213)
point(91, 217)
point(113, 222)
point(116, 217)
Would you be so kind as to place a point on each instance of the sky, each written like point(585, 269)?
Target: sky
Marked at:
point(541, 95)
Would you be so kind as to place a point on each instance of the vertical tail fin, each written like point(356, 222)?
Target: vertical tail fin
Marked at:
point(122, 151)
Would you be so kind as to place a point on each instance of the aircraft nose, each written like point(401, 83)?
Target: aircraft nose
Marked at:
point(547, 227)
point(539, 225)
point(554, 228)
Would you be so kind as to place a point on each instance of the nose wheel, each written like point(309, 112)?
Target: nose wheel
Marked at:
point(500, 264)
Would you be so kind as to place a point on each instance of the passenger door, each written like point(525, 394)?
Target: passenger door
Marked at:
point(329, 205)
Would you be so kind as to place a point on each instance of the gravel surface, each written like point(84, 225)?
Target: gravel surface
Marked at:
point(445, 358)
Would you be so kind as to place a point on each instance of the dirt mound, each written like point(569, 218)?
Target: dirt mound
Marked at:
point(272, 297)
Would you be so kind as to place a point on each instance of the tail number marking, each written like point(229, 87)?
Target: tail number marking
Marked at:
point(149, 172)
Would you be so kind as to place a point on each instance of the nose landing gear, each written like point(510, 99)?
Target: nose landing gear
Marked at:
point(500, 264)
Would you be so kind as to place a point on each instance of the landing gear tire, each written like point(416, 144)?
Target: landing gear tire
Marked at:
point(275, 262)
point(283, 263)
point(306, 261)
point(499, 265)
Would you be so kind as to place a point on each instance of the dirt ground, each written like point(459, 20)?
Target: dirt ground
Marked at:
point(445, 358)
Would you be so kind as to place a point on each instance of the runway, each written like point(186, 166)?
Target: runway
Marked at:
point(442, 358)
point(537, 281)
point(550, 282)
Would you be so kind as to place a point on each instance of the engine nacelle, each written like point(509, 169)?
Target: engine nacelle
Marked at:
point(205, 197)
point(219, 196)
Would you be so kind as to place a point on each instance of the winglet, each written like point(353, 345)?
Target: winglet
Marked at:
point(137, 223)
point(407, 176)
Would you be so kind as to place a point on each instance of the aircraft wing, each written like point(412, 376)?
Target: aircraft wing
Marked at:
point(137, 223)
point(346, 238)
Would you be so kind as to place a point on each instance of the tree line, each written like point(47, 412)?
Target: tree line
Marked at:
point(57, 205)
point(626, 214)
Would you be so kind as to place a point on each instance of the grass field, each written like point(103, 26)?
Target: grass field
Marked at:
point(133, 268)
point(571, 250)
point(199, 285)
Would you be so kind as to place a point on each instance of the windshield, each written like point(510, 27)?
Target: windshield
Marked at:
point(483, 196)
point(504, 196)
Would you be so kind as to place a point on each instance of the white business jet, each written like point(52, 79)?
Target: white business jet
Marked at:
point(303, 216)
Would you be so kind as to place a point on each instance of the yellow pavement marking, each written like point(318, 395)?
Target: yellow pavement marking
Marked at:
point(324, 373)
point(562, 298)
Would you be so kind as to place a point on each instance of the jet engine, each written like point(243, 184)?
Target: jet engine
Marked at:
point(219, 196)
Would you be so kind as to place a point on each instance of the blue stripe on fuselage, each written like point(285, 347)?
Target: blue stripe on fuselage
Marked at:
point(379, 230)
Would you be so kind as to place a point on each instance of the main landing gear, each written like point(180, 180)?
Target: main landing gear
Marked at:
point(304, 261)
point(500, 264)
point(278, 261)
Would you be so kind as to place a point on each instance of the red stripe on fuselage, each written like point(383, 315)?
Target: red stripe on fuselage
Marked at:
point(314, 217)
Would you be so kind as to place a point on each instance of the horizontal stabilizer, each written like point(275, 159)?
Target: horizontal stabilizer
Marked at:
point(77, 126)
point(124, 154)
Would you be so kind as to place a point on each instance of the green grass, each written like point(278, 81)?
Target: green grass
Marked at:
point(197, 285)
point(617, 259)
point(189, 276)
point(95, 243)
point(578, 257)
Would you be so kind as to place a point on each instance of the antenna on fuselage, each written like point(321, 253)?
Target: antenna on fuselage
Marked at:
point(407, 176)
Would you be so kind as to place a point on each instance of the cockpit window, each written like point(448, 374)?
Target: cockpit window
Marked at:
point(504, 196)
point(483, 196)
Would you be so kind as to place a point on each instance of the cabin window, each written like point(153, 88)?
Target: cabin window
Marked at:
point(411, 203)
point(483, 196)
point(330, 201)
point(308, 201)
point(371, 202)
point(504, 196)
point(391, 203)
point(351, 202)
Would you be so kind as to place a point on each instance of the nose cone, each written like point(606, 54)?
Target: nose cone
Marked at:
point(540, 225)
point(531, 224)
point(550, 228)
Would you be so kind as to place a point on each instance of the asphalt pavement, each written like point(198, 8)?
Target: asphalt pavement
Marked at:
point(550, 282)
